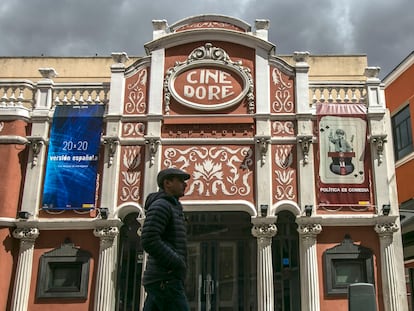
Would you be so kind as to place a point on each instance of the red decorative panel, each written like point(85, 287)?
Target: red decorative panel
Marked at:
point(282, 92)
point(217, 172)
point(283, 128)
point(130, 175)
point(136, 88)
point(133, 129)
point(284, 173)
point(208, 130)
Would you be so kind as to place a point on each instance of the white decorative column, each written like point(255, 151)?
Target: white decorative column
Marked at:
point(264, 232)
point(394, 299)
point(105, 282)
point(309, 266)
point(22, 282)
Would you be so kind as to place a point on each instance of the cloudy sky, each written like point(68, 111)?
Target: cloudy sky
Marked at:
point(381, 29)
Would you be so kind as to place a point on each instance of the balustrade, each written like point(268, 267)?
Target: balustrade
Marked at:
point(80, 94)
point(341, 93)
point(17, 94)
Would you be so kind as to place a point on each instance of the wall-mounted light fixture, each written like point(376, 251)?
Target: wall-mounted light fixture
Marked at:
point(263, 210)
point(103, 213)
point(386, 208)
point(308, 210)
point(23, 215)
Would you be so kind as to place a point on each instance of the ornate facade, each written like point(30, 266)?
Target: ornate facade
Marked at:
point(278, 219)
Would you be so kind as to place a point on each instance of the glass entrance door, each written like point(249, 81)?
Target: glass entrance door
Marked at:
point(222, 262)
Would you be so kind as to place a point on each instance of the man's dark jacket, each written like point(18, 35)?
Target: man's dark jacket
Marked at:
point(164, 238)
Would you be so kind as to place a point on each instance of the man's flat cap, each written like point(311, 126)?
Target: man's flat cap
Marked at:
point(171, 172)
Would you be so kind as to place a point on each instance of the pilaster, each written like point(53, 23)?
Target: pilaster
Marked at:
point(264, 229)
point(21, 290)
point(309, 266)
point(113, 129)
point(105, 281)
point(394, 293)
point(37, 141)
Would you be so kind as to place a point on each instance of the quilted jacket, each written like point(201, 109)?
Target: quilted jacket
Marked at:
point(164, 238)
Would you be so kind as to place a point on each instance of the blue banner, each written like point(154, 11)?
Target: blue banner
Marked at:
point(72, 159)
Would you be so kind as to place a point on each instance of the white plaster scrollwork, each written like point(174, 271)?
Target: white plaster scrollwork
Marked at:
point(305, 142)
point(111, 143)
point(309, 229)
point(386, 229)
point(264, 233)
point(106, 233)
point(153, 143)
point(263, 144)
point(26, 234)
point(224, 170)
point(1, 126)
point(284, 173)
point(131, 176)
point(36, 143)
point(137, 91)
point(379, 141)
point(283, 101)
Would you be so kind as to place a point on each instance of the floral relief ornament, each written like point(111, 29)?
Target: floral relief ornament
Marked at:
point(131, 176)
point(136, 96)
point(283, 99)
point(284, 174)
point(216, 170)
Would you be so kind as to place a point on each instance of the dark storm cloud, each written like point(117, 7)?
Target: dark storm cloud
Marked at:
point(381, 29)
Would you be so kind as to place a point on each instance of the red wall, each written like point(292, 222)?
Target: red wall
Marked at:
point(8, 255)
point(332, 236)
point(398, 94)
point(49, 240)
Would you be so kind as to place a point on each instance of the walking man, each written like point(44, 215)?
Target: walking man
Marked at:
point(164, 238)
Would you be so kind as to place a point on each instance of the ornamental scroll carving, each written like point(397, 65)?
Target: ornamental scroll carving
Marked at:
point(386, 229)
point(136, 93)
point(106, 233)
point(216, 171)
point(130, 176)
point(264, 233)
point(281, 92)
point(26, 234)
point(284, 174)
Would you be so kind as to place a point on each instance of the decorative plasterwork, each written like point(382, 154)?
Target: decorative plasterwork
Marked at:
point(281, 92)
point(223, 171)
point(132, 130)
point(27, 234)
point(130, 175)
point(153, 143)
point(111, 144)
point(203, 56)
point(379, 141)
point(136, 93)
point(305, 142)
point(264, 233)
point(284, 174)
point(283, 128)
point(36, 143)
point(263, 145)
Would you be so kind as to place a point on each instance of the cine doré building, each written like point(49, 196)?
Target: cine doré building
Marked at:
point(292, 196)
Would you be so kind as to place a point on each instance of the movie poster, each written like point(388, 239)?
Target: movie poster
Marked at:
point(344, 161)
point(72, 160)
